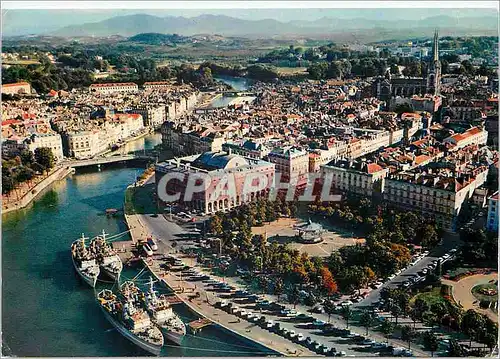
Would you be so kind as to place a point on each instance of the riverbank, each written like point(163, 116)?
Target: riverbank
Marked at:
point(204, 307)
point(32, 193)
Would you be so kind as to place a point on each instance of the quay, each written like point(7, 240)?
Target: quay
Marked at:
point(202, 303)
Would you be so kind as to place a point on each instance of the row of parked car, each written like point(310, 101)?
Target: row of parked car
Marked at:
point(275, 327)
point(420, 276)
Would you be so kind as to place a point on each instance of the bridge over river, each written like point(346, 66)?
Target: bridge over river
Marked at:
point(97, 161)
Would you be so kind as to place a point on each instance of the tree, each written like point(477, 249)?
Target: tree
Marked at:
point(407, 334)
point(216, 224)
point(45, 157)
point(346, 313)
point(27, 157)
point(431, 341)
point(328, 282)
point(7, 183)
point(278, 287)
point(318, 70)
point(329, 307)
point(367, 319)
point(294, 296)
point(395, 70)
point(387, 327)
point(455, 350)
point(396, 311)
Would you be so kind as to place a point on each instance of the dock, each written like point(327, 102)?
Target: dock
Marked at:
point(201, 303)
point(196, 325)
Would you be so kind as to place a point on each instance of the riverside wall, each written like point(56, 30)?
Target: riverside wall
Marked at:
point(32, 194)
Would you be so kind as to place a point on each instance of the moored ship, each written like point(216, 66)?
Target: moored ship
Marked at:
point(84, 261)
point(158, 306)
point(131, 321)
point(110, 262)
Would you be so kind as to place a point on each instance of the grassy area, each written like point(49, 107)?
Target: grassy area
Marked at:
point(291, 70)
point(140, 200)
point(431, 297)
point(479, 292)
point(21, 62)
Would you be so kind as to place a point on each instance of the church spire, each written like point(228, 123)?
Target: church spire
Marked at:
point(435, 49)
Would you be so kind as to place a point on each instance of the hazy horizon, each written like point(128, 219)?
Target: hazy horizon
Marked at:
point(24, 22)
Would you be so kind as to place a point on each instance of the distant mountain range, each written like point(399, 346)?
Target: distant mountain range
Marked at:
point(131, 25)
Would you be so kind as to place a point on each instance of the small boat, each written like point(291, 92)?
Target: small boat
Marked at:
point(111, 211)
point(131, 321)
point(84, 261)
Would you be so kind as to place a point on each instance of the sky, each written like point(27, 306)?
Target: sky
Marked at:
point(22, 22)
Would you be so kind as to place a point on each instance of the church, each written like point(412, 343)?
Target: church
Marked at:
point(386, 88)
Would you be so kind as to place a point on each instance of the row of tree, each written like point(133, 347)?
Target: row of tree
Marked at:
point(476, 326)
point(25, 167)
point(379, 221)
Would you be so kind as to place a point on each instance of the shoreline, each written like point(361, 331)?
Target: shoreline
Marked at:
point(134, 224)
point(58, 175)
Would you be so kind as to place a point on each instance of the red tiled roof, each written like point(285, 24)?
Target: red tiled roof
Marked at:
point(114, 84)
point(15, 84)
point(157, 83)
point(373, 167)
point(11, 122)
point(421, 158)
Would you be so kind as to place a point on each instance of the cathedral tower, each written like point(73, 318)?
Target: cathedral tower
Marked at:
point(434, 74)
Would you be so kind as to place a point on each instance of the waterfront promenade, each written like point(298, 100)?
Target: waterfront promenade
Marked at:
point(29, 193)
point(203, 304)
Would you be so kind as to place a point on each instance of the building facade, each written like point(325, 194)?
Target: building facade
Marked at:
point(354, 177)
point(18, 88)
point(292, 163)
point(492, 220)
point(110, 88)
point(227, 175)
point(49, 140)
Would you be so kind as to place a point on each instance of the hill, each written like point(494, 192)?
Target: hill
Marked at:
point(132, 25)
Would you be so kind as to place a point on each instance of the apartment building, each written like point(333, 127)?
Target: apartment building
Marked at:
point(492, 219)
point(17, 88)
point(438, 195)
point(355, 177)
point(221, 168)
point(474, 135)
point(87, 144)
point(153, 115)
point(183, 141)
point(110, 88)
point(247, 148)
point(292, 163)
point(49, 140)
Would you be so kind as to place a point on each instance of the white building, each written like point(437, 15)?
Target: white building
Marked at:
point(492, 221)
point(111, 88)
point(87, 144)
point(50, 140)
point(153, 115)
point(436, 196)
point(16, 88)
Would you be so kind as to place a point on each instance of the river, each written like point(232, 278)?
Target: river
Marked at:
point(237, 83)
point(46, 309)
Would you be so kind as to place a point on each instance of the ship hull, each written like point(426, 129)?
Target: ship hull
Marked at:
point(151, 348)
point(89, 280)
point(110, 274)
point(171, 336)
